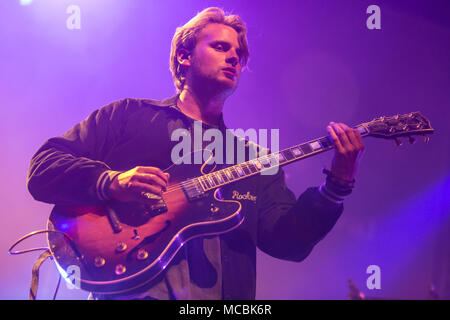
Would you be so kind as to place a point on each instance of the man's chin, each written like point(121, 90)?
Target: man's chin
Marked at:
point(229, 83)
point(222, 86)
point(228, 87)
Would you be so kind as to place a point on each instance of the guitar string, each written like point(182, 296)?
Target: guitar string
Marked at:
point(190, 184)
point(234, 173)
point(233, 169)
point(215, 174)
point(247, 164)
point(221, 176)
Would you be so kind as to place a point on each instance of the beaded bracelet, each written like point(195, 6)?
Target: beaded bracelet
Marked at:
point(338, 186)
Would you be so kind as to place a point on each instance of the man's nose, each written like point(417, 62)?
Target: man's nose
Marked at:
point(232, 58)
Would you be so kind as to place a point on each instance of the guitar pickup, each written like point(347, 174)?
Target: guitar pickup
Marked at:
point(156, 209)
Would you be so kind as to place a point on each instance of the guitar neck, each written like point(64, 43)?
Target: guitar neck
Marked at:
point(197, 186)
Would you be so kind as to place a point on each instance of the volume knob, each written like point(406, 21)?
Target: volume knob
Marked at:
point(99, 261)
point(121, 247)
point(120, 269)
point(142, 254)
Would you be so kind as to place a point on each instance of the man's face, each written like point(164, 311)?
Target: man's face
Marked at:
point(215, 60)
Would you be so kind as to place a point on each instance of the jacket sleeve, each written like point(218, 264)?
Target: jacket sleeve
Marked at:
point(289, 228)
point(65, 170)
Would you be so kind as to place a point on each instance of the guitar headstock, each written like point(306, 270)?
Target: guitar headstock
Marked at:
point(406, 125)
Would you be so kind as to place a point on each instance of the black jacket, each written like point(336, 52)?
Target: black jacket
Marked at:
point(133, 132)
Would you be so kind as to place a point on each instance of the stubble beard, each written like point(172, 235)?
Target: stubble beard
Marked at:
point(210, 85)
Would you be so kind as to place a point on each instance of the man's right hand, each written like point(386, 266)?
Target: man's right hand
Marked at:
point(134, 184)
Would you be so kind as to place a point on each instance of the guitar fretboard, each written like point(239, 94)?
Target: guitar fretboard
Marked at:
point(197, 186)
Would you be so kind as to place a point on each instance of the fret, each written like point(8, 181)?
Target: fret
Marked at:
point(281, 158)
point(218, 177)
point(240, 171)
point(203, 183)
point(213, 176)
point(326, 142)
point(207, 183)
point(265, 162)
point(275, 159)
point(305, 148)
point(228, 173)
point(315, 145)
point(296, 152)
point(234, 172)
point(211, 181)
point(223, 175)
point(245, 168)
point(257, 164)
point(252, 168)
point(288, 154)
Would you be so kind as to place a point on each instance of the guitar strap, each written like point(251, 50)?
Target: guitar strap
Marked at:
point(35, 273)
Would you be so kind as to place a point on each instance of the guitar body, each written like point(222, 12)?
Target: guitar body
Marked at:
point(121, 258)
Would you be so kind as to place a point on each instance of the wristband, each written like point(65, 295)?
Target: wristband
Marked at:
point(338, 186)
point(103, 183)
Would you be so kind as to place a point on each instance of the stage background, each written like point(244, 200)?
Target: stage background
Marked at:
point(311, 62)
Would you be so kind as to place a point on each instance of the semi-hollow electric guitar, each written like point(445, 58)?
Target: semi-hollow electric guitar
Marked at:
point(122, 246)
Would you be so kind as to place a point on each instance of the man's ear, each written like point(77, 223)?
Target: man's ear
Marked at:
point(184, 57)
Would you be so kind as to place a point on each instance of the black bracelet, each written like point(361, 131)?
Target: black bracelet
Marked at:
point(339, 186)
point(338, 181)
point(109, 179)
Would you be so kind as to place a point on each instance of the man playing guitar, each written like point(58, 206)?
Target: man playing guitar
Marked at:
point(120, 152)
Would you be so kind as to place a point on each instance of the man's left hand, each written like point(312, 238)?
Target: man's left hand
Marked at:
point(349, 149)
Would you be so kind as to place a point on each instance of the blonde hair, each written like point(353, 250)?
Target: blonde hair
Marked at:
point(186, 38)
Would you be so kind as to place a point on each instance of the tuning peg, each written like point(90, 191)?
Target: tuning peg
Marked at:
point(412, 140)
point(426, 139)
point(398, 142)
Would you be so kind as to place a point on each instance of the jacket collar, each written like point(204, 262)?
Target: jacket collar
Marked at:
point(172, 103)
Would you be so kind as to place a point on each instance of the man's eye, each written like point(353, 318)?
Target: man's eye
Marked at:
point(219, 47)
